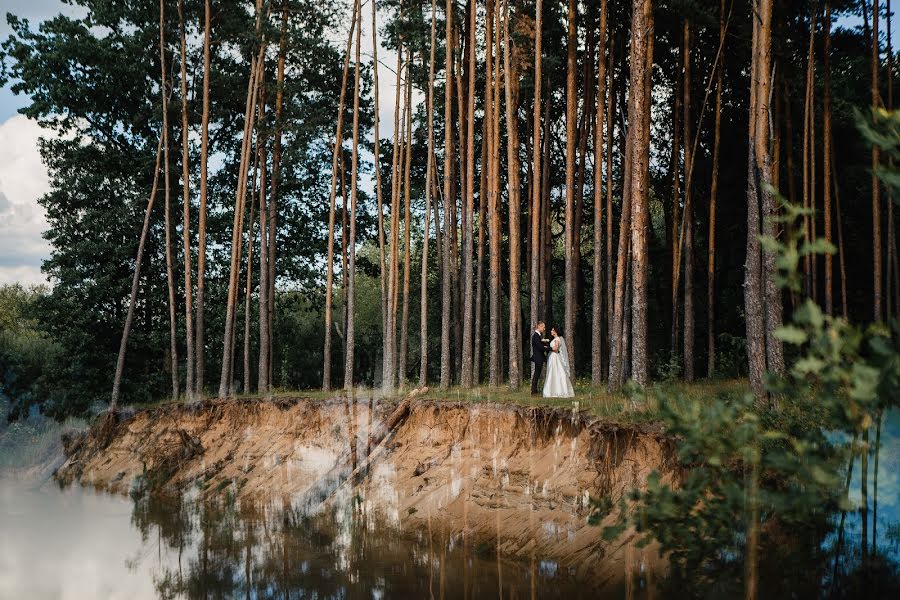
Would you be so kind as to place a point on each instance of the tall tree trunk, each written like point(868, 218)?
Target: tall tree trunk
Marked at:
point(616, 353)
point(688, 215)
point(135, 280)
point(638, 118)
point(585, 129)
point(492, 31)
point(753, 287)
point(429, 174)
point(262, 376)
point(354, 184)
point(170, 274)
point(809, 172)
point(248, 290)
point(773, 298)
point(570, 233)
point(713, 196)
point(468, 304)
point(789, 144)
point(610, 130)
point(826, 158)
point(390, 336)
point(756, 307)
point(336, 152)
point(446, 279)
point(842, 267)
point(186, 226)
point(407, 230)
point(876, 189)
point(458, 183)
point(226, 379)
point(546, 233)
point(597, 297)
point(201, 251)
point(511, 74)
point(396, 209)
point(378, 191)
point(276, 181)
point(677, 117)
point(893, 259)
point(479, 269)
point(536, 172)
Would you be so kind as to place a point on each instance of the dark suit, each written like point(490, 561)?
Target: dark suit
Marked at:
point(538, 357)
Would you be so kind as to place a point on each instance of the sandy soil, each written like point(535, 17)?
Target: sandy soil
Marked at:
point(523, 479)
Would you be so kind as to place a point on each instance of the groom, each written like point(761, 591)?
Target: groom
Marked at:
point(538, 355)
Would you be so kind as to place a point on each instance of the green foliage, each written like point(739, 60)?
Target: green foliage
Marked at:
point(28, 356)
point(756, 471)
point(93, 83)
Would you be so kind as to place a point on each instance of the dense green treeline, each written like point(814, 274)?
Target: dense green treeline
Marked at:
point(94, 83)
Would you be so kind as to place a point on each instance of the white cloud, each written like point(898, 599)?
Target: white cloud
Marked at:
point(23, 179)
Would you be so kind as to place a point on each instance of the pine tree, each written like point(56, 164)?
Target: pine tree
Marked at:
point(329, 262)
point(204, 167)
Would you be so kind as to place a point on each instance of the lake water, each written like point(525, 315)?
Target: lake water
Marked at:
point(81, 544)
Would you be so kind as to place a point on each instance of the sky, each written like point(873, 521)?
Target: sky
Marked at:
point(23, 177)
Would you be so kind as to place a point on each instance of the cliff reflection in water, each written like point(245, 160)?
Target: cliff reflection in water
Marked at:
point(235, 549)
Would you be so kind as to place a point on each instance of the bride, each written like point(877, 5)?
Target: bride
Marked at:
point(558, 383)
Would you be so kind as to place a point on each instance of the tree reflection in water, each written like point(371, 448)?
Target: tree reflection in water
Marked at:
point(229, 548)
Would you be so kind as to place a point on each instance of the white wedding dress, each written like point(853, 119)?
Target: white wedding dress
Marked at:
point(558, 383)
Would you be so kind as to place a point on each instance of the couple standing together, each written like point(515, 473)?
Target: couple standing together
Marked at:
point(558, 383)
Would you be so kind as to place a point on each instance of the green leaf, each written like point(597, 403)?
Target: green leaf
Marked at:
point(790, 334)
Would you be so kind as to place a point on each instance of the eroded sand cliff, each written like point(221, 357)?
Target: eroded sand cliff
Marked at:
point(523, 479)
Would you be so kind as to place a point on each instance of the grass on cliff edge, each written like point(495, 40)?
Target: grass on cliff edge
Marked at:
point(596, 400)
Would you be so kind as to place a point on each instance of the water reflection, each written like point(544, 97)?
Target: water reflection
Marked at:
point(235, 549)
point(76, 543)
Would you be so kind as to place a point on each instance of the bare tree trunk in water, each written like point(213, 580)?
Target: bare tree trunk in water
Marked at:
point(170, 274)
point(126, 331)
point(570, 233)
point(201, 251)
point(336, 152)
point(597, 297)
point(864, 492)
point(429, 173)
point(354, 184)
